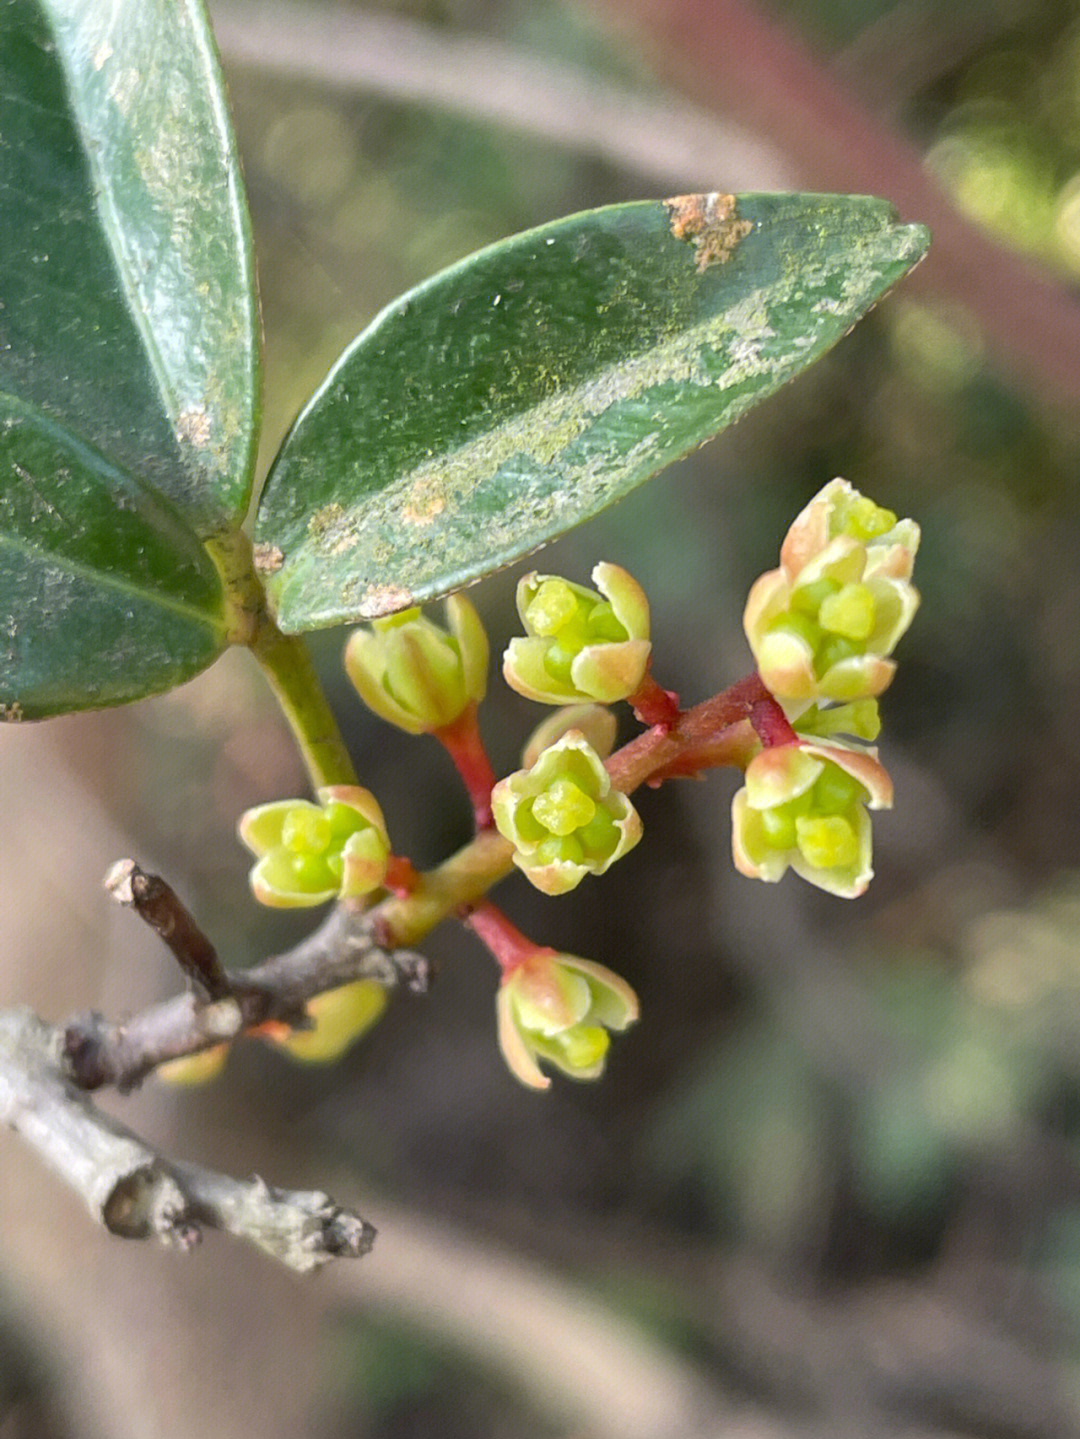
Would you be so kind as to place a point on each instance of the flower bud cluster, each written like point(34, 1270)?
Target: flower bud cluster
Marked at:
point(822, 628)
point(311, 853)
point(580, 644)
point(804, 806)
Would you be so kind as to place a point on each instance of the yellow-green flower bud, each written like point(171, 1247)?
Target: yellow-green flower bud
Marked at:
point(580, 644)
point(416, 675)
point(563, 817)
point(338, 1019)
point(804, 806)
point(310, 853)
point(559, 1009)
point(823, 625)
point(839, 510)
point(596, 723)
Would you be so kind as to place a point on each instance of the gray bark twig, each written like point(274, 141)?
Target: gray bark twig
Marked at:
point(134, 1191)
point(96, 1052)
point(156, 902)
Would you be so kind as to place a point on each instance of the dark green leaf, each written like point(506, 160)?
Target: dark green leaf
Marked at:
point(108, 595)
point(127, 308)
point(521, 391)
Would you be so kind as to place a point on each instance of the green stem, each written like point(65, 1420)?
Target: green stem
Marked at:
point(286, 662)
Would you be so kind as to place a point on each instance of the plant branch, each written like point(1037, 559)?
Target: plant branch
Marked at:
point(96, 1052)
point(133, 1190)
point(286, 662)
point(156, 902)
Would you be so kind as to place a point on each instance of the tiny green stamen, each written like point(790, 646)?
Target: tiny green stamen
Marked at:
point(560, 850)
point(779, 827)
point(603, 626)
point(583, 1045)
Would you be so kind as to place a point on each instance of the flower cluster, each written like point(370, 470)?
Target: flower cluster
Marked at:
point(311, 853)
point(804, 805)
point(822, 628)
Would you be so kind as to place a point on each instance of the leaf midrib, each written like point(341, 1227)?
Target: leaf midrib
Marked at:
point(113, 581)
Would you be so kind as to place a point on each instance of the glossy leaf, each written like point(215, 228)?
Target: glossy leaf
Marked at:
point(127, 309)
point(521, 391)
point(108, 595)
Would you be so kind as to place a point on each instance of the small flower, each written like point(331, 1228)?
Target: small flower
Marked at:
point(310, 853)
point(823, 625)
point(563, 817)
point(416, 675)
point(338, 1018)
point(804, 805)
point(596, 723)
point(840, 510)
point(580, 644)
point(558, 1008)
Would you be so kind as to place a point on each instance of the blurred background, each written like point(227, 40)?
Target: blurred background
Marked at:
point(830, 1184)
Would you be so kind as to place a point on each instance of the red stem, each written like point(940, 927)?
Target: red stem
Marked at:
point(654, 705)
point(505, 941)
point(401, 877)
point(771, 723)
point(462, 741)
point(719, 731)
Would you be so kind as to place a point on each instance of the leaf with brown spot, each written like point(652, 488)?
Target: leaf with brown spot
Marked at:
point(523, 390)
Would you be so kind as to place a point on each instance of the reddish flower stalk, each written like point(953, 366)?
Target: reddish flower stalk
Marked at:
point(506, 942)
point(719, 731)
point(402, 877)
point(655, 706)
point(771, 724)
point(462, 741)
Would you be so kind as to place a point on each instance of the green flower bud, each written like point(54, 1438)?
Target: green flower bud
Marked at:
point(596, 723)
point(580, 644)
point(416, 675)
point(310, 853)
point(839, 510)
point(563, 817)
point(338, 1019)
point(804, 806)
point(823, 625)
point(559, 1009)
